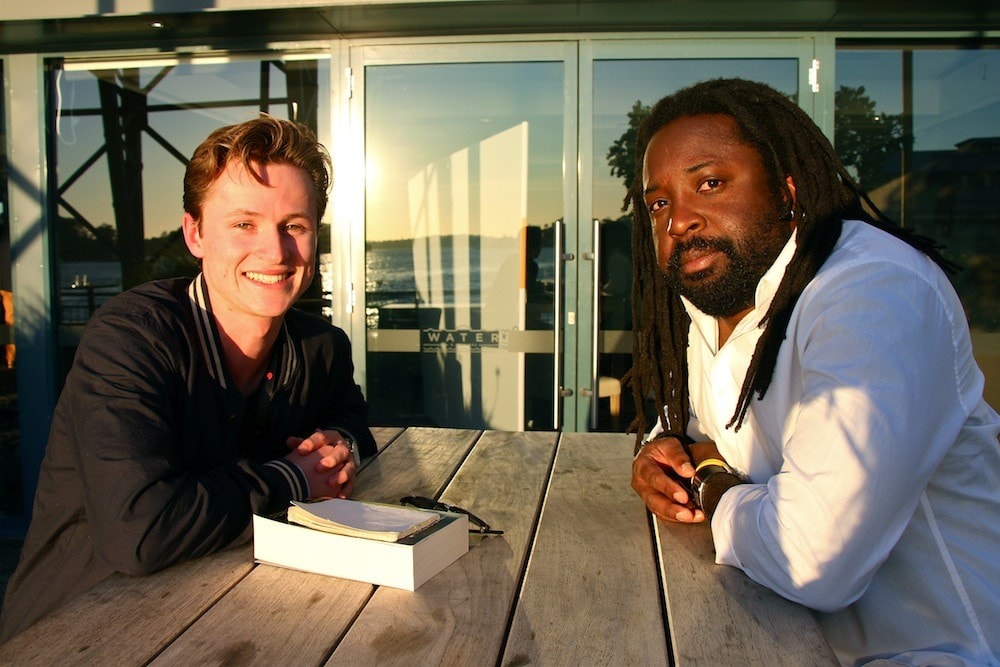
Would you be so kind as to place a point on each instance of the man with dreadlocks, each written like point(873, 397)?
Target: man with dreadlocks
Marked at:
point(821, 406)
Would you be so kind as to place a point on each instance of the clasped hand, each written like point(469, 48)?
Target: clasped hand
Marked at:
point(327, 462)
point(661, 475)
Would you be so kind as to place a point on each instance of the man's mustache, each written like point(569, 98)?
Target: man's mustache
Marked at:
point(699, 243)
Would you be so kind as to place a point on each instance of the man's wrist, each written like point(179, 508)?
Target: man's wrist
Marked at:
point(351, 442)
point(712, 478)
point(662, 435)
point(355, 454)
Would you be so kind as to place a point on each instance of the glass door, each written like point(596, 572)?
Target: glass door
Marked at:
point(625, 81)
point(497, 275)
point(464, 215)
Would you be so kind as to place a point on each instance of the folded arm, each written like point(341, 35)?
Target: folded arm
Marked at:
point(877, 411)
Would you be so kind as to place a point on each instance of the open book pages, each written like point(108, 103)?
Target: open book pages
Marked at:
point(375, 521)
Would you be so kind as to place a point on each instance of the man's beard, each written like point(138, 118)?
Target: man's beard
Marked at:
point(732, 289)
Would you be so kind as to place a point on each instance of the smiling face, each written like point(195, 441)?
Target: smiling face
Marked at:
point(257, 243)
point(717, 225)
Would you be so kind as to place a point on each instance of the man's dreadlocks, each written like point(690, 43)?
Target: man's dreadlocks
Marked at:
point(789, 144)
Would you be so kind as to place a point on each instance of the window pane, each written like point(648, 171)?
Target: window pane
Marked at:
point(11, 503)
point(463, 190)
point(920, 129)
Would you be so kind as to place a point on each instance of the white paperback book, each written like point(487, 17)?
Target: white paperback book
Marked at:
point(406, 563)
point(376, 521)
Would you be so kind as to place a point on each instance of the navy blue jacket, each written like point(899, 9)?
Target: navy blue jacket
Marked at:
point(154, 457)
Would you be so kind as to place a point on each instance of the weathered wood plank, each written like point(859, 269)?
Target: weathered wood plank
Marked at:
point(385, 435)
point(128, 620)
point(719, 616)
point(590, 594)
point(421, 462)
point(459, 617)
point(273, 617)
point(278, 616)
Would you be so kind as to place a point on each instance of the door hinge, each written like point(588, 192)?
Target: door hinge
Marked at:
point(814, 76)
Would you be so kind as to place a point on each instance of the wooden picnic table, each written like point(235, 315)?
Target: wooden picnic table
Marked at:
point(581, 576)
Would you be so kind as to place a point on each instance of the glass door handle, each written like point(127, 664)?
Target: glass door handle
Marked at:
point(596, 320)
point(557, 328)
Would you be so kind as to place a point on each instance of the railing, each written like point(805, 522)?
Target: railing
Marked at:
point(79, 301)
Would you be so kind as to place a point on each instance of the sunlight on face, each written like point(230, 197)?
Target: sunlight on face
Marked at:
point(257, 242)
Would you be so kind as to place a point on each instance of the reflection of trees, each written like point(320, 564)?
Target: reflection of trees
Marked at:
point(87, 244)
point(621, 155)
point(863, 137)
point(950, 195)
point(163, 256)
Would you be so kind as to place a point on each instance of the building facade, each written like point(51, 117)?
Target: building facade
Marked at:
point(475, 248)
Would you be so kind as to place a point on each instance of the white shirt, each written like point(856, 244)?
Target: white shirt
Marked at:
point(873, 459)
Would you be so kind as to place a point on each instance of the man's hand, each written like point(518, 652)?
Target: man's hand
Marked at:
point(657, 474)
point(327, 462)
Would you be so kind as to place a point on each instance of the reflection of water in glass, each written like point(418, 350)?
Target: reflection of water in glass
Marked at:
point(84, 286)
point(103, 274)
point(390, 274)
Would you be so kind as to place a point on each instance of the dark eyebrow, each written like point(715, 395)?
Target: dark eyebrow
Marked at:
point(687, 170)
point(696, 167)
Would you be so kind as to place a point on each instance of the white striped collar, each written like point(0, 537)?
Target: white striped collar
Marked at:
point(211, 352)
point(211, 349)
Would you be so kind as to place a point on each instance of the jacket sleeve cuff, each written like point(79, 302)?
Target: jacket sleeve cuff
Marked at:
point(293, 476)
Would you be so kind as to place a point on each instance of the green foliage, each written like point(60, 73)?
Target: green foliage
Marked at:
point(863, 137)
point(78, 243)
point(621, 155)
point(167, 255)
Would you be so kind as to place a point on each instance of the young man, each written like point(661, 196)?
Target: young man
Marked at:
point(193, 404)
point(822, 407)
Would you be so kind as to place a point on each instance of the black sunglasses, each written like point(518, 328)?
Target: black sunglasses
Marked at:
point(424, 503)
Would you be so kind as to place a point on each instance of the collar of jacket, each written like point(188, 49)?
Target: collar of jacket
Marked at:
point(287, 362)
